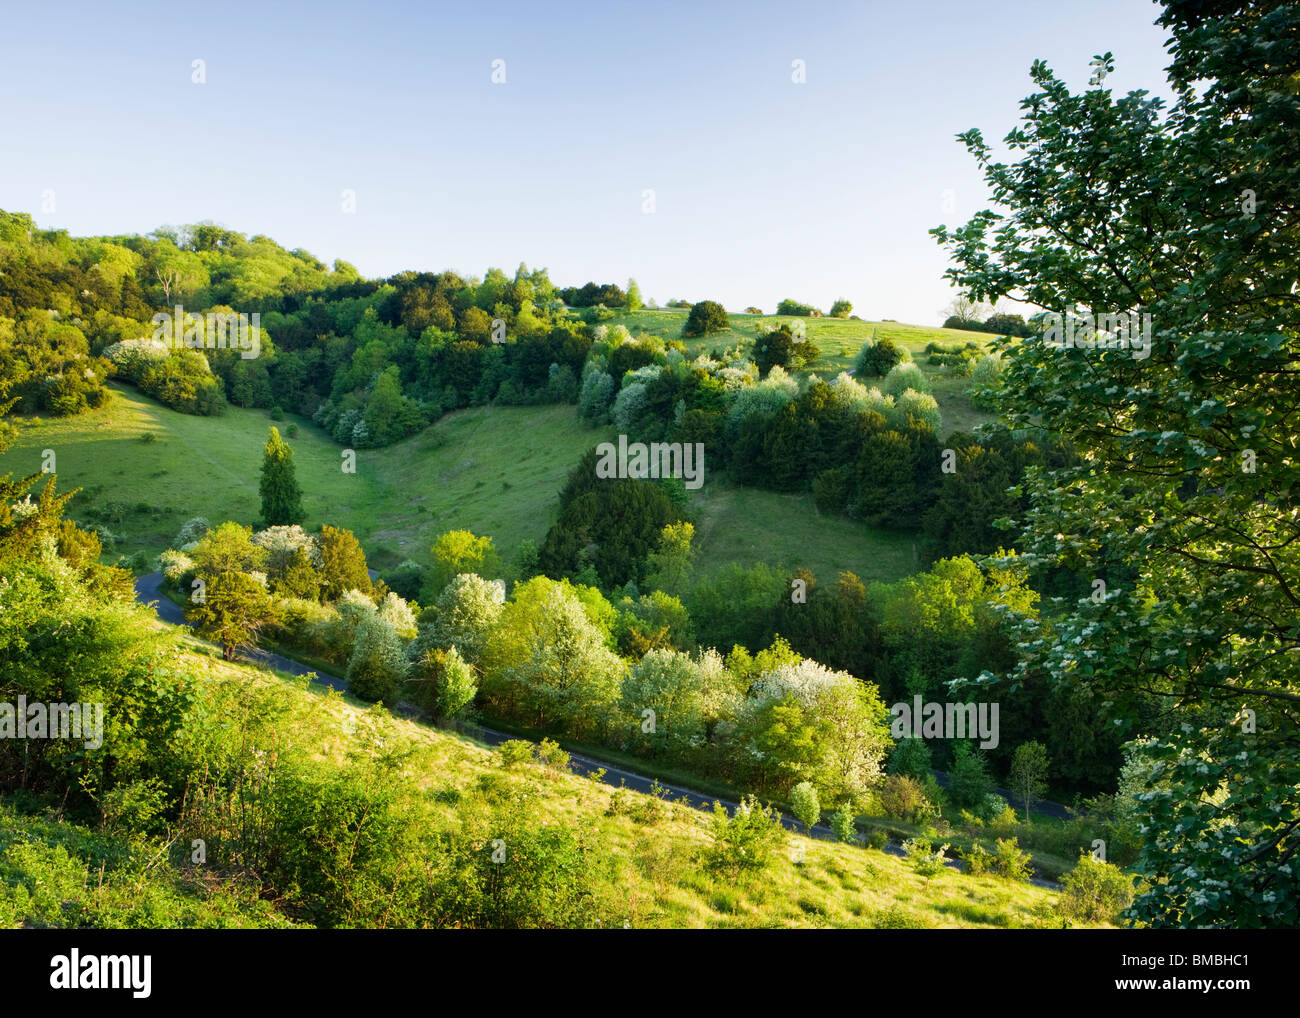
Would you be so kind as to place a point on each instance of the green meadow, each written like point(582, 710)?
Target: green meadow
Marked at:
point(492, 470)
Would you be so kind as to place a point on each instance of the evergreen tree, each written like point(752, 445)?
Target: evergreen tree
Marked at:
point(343, 563)
point(281, 496)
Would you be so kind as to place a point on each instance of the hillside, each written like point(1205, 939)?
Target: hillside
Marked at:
point(639, 873)
point(492, 470)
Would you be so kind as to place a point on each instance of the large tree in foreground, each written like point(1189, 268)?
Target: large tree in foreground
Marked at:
point(1184, 501)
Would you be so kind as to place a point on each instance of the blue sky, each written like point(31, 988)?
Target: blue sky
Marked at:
point(763, 188)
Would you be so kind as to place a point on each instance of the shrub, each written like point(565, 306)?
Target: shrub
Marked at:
point(377, 665)
point(985, 375)
point(844, 824)
point(515, 751)
point(970, 781)
point(905, 376)
point(191, 531)
point(804, 804)
point(707, 316)
point(442, 684)
point(978, 859)
point(793, 307)
point(877, 358)
point(924, 859)
point(910, 758)
point(904, 798)
point(1094, 891)
point(177, 568)
point(992, 807)
point(1010, 862)
point(841, 308)
point(549, 754)
point(920, 406)
point(742, 842)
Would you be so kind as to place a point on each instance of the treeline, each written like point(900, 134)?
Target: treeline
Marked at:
point(371, 361)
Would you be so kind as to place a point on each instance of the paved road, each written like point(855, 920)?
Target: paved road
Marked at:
point(147, 592)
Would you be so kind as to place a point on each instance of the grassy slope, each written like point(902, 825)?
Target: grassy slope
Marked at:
point(654, 873)
point(492, 470)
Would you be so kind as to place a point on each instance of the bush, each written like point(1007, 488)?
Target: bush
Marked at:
point(804, 804)
point(549, 754)
point(841, 308)
point(969, 778)
point(793, 307)
point(1010, 862)
point(978, 859)
point(902, 377)
point(910, 758)
point(707, 316)
point(1094, 891)
point(904, 798)
point(742, 842)
point(876, 358)
point(924, 859)
point(515, 751)
point(845, 825)
point(442, 684)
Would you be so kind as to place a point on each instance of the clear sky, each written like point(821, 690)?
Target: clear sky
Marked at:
point(763, 188)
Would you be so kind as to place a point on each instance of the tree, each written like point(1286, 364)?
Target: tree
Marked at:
point(299, 578)
point(1029, 773)
point(234, 609)
point(281, 496)
point(342, 563)
point(969, 779)
point(669, 567)
point(633, 301)
point(773, 348)
point(378, 662)
point(459, 551)
point(1185, 434)
point(805, 805)
point(467, 609)
point(841, 309)
point(794, 307)
point(442, 683)
point(707, 316)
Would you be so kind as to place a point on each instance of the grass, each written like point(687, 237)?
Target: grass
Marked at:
point(494, 471)
point(654, 872)
point(750, 525)
point(491, 470)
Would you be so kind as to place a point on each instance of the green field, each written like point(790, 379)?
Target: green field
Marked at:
point(492, 470)
point(751, 525)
